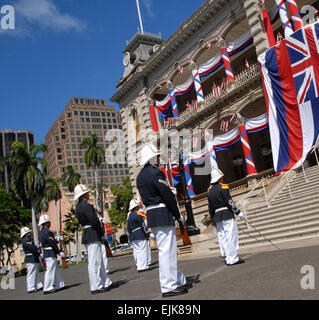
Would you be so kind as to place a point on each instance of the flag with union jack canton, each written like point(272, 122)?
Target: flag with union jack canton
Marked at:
point(290, 72)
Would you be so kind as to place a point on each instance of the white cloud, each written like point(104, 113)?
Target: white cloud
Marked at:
point(45, 14)
point(148, 5)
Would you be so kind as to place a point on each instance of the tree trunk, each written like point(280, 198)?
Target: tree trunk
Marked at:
point(35, 230)
point(78, 253)
point(57, 224)
point(97, 191)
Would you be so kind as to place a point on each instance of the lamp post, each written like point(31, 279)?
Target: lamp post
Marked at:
point(191, 228)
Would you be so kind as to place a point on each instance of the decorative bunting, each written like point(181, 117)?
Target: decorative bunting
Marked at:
point(295, 15)
point(288, 29)
point(247, 151)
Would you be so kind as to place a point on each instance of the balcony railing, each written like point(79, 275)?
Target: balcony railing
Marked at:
point(240, 79)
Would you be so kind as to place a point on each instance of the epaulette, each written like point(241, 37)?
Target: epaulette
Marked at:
point(141, 213)
point(225, 186)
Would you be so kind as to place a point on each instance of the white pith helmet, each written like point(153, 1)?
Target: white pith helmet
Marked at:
point(24, 231)
point(43, 219)
point(80, 190)
point(133, 204)
point(216, 174)
point(147, 153)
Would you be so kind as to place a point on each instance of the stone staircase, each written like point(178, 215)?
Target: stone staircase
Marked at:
point(287, 218)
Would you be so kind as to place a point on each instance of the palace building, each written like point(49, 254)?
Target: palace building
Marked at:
point(205, 78)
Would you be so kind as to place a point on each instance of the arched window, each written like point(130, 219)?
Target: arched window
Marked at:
point(136, 123)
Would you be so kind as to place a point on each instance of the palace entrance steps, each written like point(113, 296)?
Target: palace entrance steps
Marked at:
point(291, 212)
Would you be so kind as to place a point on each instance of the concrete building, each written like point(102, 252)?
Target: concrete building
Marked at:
point(81, 118)
point(7, 137)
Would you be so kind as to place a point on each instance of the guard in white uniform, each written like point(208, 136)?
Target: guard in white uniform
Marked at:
point(52, 278)
point(222, 210)
point(32, 261)
point(161, 207)
point(138, 236)
point(92, 238)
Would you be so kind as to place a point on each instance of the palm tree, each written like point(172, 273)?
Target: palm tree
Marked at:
point(27, 174)
point(71, 178)
point(67, 239)
point(93, 157)
point(53, 193)
point(72, 226)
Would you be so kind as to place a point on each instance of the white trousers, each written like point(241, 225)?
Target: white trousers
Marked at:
point(141, 254)
point(149, 253)
point(104, 258)
point(52, 277)
point(227, 232)
point(170, 277)
point(97, 275)
point(33, 279)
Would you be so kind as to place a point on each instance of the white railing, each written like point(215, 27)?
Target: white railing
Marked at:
point(240, 79)
point(251, 191)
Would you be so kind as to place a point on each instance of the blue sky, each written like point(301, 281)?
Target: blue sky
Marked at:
point(65, 48)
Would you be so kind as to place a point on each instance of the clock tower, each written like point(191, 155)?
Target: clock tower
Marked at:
point(132, 96)
point(139, 50)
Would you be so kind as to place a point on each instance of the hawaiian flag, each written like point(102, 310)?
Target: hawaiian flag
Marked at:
point(164, 107)
point(290, 72)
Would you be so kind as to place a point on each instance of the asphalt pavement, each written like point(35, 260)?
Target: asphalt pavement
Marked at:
point(289, 274)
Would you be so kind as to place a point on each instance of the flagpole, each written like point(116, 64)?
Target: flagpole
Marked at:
point(139, 15)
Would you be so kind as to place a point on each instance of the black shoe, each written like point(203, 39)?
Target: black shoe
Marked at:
point(112, 286)
point(187, 285)
point(176, 292)
point(223, 259)
point(99, 291)
point(48, 292)
point(147, 269)
point(33, 291)
point(240, 261)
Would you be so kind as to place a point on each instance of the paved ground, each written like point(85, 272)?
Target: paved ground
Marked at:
point(274, 275)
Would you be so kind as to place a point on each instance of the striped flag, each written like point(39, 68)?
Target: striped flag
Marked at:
point(194, 105)
point(224, 85)
point(234, 118)
point(208, 44)
point(224, 125)
point(181, 69)
point(291, 85)
point(247, 64)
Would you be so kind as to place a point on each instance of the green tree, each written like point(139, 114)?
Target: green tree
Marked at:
point(123, 195)
point(72, 226)
point(27, 174)
point(71, 178)
point(93, 157)
point(68, 238)
point(53, 193)
point(12, 219)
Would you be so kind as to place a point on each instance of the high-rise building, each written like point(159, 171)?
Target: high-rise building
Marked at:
point(81, 118)
point(7, 137)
